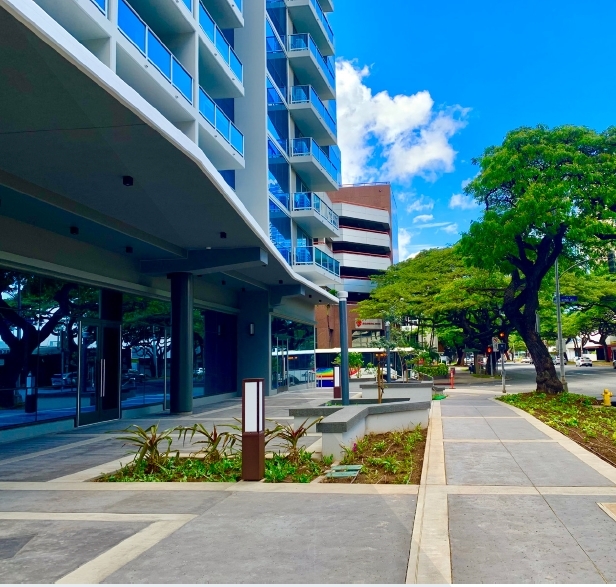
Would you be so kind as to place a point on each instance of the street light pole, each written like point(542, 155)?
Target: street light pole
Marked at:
point(560, 329)
point(387, 335)
point(344, 347)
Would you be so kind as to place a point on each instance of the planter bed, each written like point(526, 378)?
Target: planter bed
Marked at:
point(580, 417)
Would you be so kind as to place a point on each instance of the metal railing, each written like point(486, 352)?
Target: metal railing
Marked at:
point(305, 146)
point(214, 34)
point(313, 256)
point(101, 5)
point(308, 95)
point(323, 19)
point(303, 42)
point(220, 121)
point(310, 201)
point(134, 28)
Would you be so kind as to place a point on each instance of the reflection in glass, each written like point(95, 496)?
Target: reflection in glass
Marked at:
point(293, 358)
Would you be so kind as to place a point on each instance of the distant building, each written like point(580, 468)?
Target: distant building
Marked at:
point(367, 246)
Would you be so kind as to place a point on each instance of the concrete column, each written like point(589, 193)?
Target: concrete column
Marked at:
point(254, 351)
point(181, 384)
point(110, 305)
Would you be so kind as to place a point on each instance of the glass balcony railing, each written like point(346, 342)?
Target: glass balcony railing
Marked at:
point(323, 20)
point(240, 5)
point(214, 34)
point(220, 121)
point(305, 147)
point(303, 42)
point(141, 35)
point(310, 201)
point(308, 95)
point(314, 256)
point(188, 4)
point(101, 5)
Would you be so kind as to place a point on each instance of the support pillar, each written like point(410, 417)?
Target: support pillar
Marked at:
point(181, 384)
point(344, 347)
point(254, 339)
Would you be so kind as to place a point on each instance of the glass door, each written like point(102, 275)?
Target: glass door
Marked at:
point(99, 374)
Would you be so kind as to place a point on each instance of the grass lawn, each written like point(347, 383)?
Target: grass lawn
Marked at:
point(579, 417)
point(394, 457)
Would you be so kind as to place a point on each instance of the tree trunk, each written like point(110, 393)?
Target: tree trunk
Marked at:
point(547, 379)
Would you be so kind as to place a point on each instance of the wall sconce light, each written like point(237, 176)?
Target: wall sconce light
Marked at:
point(74, 230)
point(251, 329)
point(129, 250)
point(127, 181)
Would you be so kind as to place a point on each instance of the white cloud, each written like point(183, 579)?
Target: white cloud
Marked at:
point(463, 202)
point(420, 204)
point(391, 138)
point(450, 228)
point(433, 225)
point(406, 250)
point(466, 182)
point(423, 218)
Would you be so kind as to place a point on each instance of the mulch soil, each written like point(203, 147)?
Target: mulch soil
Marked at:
point(391, 458)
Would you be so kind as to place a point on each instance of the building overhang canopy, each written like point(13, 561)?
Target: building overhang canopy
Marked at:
point(72, 131)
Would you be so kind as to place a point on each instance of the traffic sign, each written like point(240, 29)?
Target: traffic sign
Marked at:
point(568, 299)
point(502, 347)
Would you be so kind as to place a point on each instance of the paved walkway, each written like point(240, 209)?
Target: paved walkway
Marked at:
point(506, 499)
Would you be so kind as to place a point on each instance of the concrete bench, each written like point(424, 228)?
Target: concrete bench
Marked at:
point(420, 391)
point(347, 424)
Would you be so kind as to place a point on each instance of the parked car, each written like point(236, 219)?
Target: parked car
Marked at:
point(527, 361)
point(64, 380)
point(614, 363)
point(583, 362)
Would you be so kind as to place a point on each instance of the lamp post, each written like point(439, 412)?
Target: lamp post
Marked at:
point(388, 352)
point(344, 347)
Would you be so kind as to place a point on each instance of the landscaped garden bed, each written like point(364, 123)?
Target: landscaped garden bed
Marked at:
point(580, 417)
point(393, 457)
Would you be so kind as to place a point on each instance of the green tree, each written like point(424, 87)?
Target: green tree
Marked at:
point(356, 361)
point(547, 193)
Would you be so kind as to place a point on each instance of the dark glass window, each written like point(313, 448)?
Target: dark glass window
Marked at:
point(280, 230)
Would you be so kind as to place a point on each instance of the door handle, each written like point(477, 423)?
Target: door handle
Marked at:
point(102, 377)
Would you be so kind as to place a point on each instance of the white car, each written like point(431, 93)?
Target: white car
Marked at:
point(527, 361)
point(583, 361)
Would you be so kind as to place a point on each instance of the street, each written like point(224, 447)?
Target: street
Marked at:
point(586, 380)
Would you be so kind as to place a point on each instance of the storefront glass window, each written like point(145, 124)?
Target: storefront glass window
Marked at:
point(292, 353)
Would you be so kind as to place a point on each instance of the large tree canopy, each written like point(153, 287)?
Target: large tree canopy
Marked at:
point(547, 193)
point(460, 303)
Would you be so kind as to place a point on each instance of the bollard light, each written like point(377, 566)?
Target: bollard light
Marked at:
point(253, 430)
point(337, 386)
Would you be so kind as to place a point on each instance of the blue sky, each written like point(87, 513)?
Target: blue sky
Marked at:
point(425, 86)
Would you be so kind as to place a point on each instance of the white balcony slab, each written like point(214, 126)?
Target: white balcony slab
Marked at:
point(364, 237)
point(362, 213)
point(363, 261)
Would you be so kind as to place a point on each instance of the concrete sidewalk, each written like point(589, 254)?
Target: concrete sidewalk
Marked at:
point(507, 499)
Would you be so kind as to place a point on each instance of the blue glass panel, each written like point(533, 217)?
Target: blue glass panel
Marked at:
point(207, 107)
point(222, 45)
point(206, 22)
point(131, 25)
point(159, 55)
point(223, 124)
point(280, 230)
point(236, 65)
point(237, 140)
point(102, 4)
point(240, 5)
point(302, 201)
point(188, 4)
point(182, 80)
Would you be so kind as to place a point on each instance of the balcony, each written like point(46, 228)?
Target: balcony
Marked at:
point(227, 153)
point(310, 66)
point(314, 216)
point(366, 238)
point(311, 115)
point(150, 46)
point(372, 262)
point(219, 64)
point(313, 165)
point(308, 17)
point(227, 13)
point(316, 265)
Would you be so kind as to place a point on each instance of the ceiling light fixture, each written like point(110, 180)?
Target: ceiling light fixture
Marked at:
point(127, 180)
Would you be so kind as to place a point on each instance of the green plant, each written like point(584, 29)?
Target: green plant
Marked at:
point(269, 433)
point(291, 436)
point(148, 442)
point(214, 444)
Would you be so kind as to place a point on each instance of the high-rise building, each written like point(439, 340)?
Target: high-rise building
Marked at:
point(164, 170)
point(367, 245)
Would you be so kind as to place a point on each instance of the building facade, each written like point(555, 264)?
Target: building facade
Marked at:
point(164, 169)
point(366, 246)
